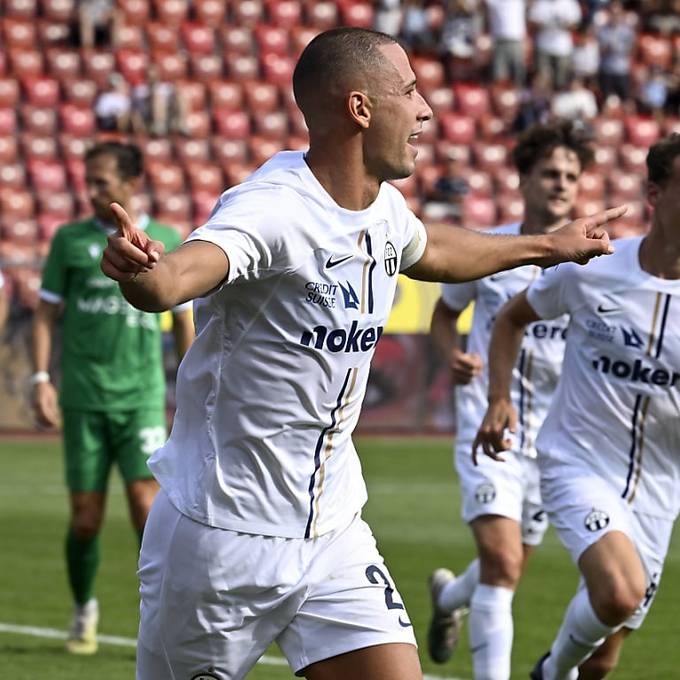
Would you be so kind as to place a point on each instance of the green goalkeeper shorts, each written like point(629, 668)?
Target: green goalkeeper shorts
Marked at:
point(95, 440)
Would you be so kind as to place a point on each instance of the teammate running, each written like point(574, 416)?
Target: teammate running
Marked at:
point(112, 392)
point(502, 504)
point(610, 476)
point(256, 535)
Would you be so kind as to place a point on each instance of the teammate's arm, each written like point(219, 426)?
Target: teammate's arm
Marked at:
point(44, 394)
point(155, 282)
point(464, 366)
point(506, 339)
point(454, 254)
point(182, 332)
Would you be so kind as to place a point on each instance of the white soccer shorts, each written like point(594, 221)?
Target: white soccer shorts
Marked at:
point(584, 507)
point(213, 600)
point(509, 489)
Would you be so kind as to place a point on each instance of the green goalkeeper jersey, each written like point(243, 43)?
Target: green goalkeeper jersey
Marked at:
point(111, 352)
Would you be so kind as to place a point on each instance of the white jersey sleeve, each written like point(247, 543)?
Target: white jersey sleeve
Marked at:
point(457, 296)
point(548, 295)
point(415, 242)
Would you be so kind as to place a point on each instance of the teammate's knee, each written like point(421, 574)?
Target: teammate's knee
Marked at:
point(501, 567)
point(617, 601)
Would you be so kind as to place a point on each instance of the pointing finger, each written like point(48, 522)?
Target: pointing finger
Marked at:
point(123, 221)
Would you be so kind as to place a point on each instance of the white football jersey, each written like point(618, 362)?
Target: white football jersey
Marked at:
point(270, 391)
point(616, 411)
point(538, 366)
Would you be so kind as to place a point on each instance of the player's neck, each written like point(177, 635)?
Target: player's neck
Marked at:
point(660, 256)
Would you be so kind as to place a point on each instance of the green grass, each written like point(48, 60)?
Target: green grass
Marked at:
point(413, 510)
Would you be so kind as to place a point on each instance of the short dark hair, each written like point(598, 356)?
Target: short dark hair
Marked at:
point(332, 57)
point(128, 157)
point(539, 141)
point(661, 158)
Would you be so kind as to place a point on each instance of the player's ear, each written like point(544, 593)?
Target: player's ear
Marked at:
point(653, 191)
point(359, 108)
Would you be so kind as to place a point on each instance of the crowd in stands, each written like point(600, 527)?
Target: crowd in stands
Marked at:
point(203, 86)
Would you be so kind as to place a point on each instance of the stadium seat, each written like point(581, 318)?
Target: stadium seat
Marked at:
point(490, 156)
point(75, 168)
point(478, 212)
point(130, 37)
point(25, 62)
point(165, 177)
point(479, 182)
point(300, 37)
point(203, 203)
point(155, 148)
point(206, 67)
point(173, 207)
point(271, 124)
point(261, 97)
point(297, 142)
point(194, 94)
point(80, 91)
point(231, 124)
point(445, 150)
point(3, 64)
point(271, 39)
point(472, 100)
point(492, 128)
point(42, 91)
point(77, 120)
point(671, 125)
point(98, 66)
point(278, 69)
point(225, 95)
point(63, 64)
point(425, 153)
point(641, 131)
point(505, 102)
point(50, 33)
point(505, 180)
point(59, 10)
point(47, 175)
point(655, 50)
point(198, 124)
point(427, 173)
point(9, 92)
point(408, 187)
point(19, 231)
point(133, 65)
point(135, 12)
point(19, 33)
point(38, 146)
point(456, 128)
point(205, 177)
point(237, 40)
point(609, 131)
point(171, 67)
point(592, 185)
point(429, 72)
point(284, 13)
point(357, 14)
point(322, 15)
point(628, 186)
point(192, 150)
point(198, 39)
point(633, 158)
point(605, 158)
point(171, 12)
point(8, 121)
point(39, 120)
point(635, 217)
point(247, 12)
point(58, 204)
point(440, 99)
point(588, 206)
point(226, 151)
point(162, 38)
point(510, 209)
point(235, 173)
point(262, 149)
point(12, 175)
point(15, 203)
point(209, 12)
point(9, 149)
point(73, 146)
point(242, 67)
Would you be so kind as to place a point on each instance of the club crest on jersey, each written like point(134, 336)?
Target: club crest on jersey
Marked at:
point(596, 520)
point(94, 250)
point(349, 295)
point(390, 259)
point(485, 492)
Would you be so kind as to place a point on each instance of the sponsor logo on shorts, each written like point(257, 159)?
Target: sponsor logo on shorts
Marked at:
point(341, 340)
point(596, 520)
point(636, 372)
point(485, 492)
point(390, 259)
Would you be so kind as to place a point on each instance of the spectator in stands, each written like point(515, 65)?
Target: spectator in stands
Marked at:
point(653, 91)
point(387, 16)
point(157, 106)
point(4, 304)
point(617, 41)
point(586, 56)
point(534, 103)
point(554, 20)
point(112, 393)
point(462, 26)
point(445, 203)
point(416, 27)
point(97, 23)
point(508, 28)
point(575, 102)
point(673, 97)
point(664, 18)
point(113, 107)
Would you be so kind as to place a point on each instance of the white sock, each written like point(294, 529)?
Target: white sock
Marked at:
point(581, 634)
point(458, 593)
point(491, 632)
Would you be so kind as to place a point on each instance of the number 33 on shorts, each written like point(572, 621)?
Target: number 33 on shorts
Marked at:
point(376, 575)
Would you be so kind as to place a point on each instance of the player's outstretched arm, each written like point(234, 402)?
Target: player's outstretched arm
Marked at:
point(155, 282)
point(506, 339)
point(454, 254)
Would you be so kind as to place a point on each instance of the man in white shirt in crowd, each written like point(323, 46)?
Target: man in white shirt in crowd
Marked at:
point(257, 534)
point(502, 504)
point(608, 447)
point(508, 29)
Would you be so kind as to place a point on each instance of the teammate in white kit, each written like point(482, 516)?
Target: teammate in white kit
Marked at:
point(610, 475)
point(257, 533)
point(502, 504)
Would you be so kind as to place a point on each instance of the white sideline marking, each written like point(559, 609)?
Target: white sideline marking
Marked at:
point(53, 633)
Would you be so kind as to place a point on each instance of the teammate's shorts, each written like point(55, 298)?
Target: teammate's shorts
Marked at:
point(509, 489)
point(95, 440)
point(213, 600)
point(584, 508)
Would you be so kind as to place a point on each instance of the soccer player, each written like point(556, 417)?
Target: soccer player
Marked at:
point(256, 535)
point(112, 394)
point(608, 446)
point(502, 504)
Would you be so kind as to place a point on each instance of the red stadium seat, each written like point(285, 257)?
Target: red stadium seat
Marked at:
point(172, 206)
point(19, 231)
point(155, 148)
point(226, 95)
point(478, 212)
point(606, 158)
point(198, 124)
point(633, 158)
point(425, 153)
point(36, 146)
point(445, 150)
point(43, 91)
point(48, 225)
point(172, 12)
point(491, 128)
point(191, 150)
point(505, 102)
point(472, 100)
point(206, 67)
point(47, 175)
point(129, 37)
point(165, 177)
point(8, 149)
point(228, 151)
point(9, 92)
point(98, 66)
point(357, 14)
point(626, 185)
point(298, 127)
point(271, 125)
point(278, 70)
point(510, 209)
point(322, 15)
point(505, 180)
point(162, 38)
point(50, 33)
point(171, 67)
point(25, 62)
point(479, 182)
point(300, 37)
point(235, 173)
point(247, 12)
point(588, 206)
point(3, 64)
point(133, 65)
point(297, 143)
point(408, 187)
point(642, 131)
point(193, 94)
point(26, 9)
point(237, 40)
point(134, 11)
point(8, 121)
point(592, 185)
point(242, 67)
point(429, 72)
point(284, 13)
point(427, 173)
point(440, 99)
point(59, 10)
point(39, 120)
point(635, 217)
point(232, 124)
point(198, 39)
point(262, 149)
point(60, 204)
point(63, 64)
point(73, 146)
point(76, 174)
point(210, 12)
point(457, 129)
point(261, 96)
point(77, 120)
point(671, 125)
point(490, 156)
point(80, 91)
point(16, 203)
point(271, 39)
point(655, 50)
point(203, 177)
point(13, 175)
point(19, 33)
point(203, 203)
point(608, 131)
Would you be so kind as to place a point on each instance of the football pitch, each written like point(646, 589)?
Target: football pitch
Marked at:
point(413, 509)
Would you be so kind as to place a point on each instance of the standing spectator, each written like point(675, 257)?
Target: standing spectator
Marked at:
point(576, 102)
point(534, 103)
point(586, 56)
point(416, 29)
point(653, 91)
point(113, 106)
point(97, 23)
point(508, 28)
point(388, 16)
point(112, 394)
point(157, 106)
point(446, 200)
point(554, 20)
point(462, 26)
point(617, 40)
